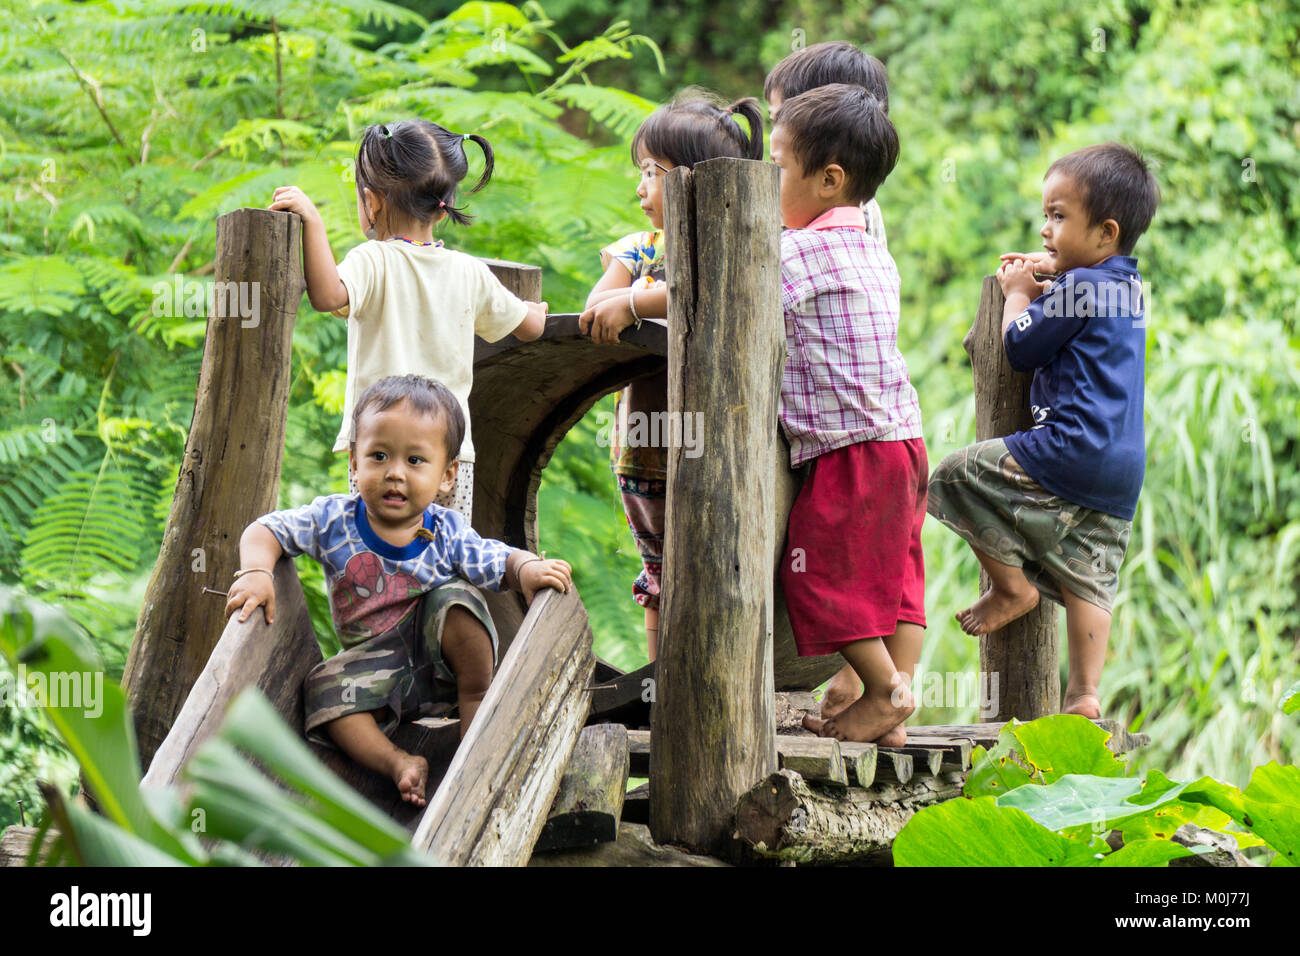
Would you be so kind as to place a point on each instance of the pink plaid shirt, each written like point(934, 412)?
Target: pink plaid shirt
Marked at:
point(844, 380)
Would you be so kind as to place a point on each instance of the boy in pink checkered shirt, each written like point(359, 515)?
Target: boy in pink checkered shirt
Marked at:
point(853, 572)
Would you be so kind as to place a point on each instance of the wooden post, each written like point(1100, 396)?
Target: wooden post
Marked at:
point(713, 725)
point(1024, 654)
point(493, 801)
point(231, 471)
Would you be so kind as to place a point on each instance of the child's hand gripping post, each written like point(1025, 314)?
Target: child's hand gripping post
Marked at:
point(325, 290)
point(255, 580)
point(1016, 277)
point(532, 573)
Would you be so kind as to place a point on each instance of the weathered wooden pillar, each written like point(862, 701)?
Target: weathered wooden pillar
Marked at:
point(1024, 654)
point(713, 726)
point(231, 470)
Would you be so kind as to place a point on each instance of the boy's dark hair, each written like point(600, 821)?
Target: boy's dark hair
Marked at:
point(823, 64)
point(425, 395)
point(845, 125)
point(417, 165)
point(697, 125)
point(1116, 183)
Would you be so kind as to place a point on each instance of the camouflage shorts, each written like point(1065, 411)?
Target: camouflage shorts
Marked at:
point(983, 494)
point(400, 674)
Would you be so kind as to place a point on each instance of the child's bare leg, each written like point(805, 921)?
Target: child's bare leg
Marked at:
point(467, 649)
point(842, 690)
point(1010, 597)
point(1088, 630)
point(359, 736)
point(904, 647)
point(875, 713)
point(652, 632)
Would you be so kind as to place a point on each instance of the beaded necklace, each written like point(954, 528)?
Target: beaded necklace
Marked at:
point(414, 242)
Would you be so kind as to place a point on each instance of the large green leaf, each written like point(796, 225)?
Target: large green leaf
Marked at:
point(1063, 744)
point(979, 832)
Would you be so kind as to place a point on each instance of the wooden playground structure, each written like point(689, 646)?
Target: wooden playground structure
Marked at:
point(542, 773)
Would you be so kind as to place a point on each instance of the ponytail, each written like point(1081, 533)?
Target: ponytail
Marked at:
point(748, 108)
point(488, 156)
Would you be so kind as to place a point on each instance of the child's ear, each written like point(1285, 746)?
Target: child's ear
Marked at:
point(449, 477)
point(832, 180)
point(352, 458)
point(1110, 233)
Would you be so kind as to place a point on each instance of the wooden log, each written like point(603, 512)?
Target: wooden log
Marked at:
point(634, 847)
point(713, 722)
point(893, 765)
point(493, 801)
point(274, 658)
point(1023, 654)
point(784, 818)
point(230, 474)
point(589, 804)
point(860, 762)
point(817, 759)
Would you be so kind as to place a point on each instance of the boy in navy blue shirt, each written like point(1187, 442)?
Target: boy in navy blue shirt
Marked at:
point(1048, 510)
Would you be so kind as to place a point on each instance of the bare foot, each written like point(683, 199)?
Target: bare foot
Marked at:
point(844, 688)
point(1085, 705)
point(410, 773)
point(866, 720)
point(894, 738)
point(997, 608)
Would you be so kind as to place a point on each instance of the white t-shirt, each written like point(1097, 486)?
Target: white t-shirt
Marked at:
point(415, 310)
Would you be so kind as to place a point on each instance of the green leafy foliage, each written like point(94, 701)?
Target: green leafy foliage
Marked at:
point(301, 811)
point(1050, 791)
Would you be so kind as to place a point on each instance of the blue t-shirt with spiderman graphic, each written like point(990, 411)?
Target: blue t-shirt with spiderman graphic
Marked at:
point(373, 585)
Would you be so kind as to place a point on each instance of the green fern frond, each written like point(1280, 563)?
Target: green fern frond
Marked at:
point(616, 110)
point(89, 525)
point(40, 284)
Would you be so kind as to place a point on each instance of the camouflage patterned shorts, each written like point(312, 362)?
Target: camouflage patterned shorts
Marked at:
point(983, 494)
point(400, 673)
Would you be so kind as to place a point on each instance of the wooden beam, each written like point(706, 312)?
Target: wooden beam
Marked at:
point(893, 765)
point(275, 658)
point(713, 722)
point(16, 845)
point(589, 803)
point(230, 474)
point(1023, 654)
point(986, 735)
point(493, 800)
point(784, 818)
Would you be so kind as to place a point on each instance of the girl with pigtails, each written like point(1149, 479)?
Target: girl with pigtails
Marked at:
point(695, 126)
point(412, 305)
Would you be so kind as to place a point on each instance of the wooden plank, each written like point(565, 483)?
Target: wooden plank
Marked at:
point(636, 805)
point(713, 723)
point(230, 473)
point(589, 803)
point(272, 657)
point(16, 844)
point(1023, 655)
point(955, 752)
point(638, 750)
point(493, 801)
point(986, 735)
point(860, 762)
point(893, 765)
point(816, 759)
point(783, 818)
point(625, 698)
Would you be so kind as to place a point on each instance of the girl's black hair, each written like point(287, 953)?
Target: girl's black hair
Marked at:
point(416, 165)
point(697, 125)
